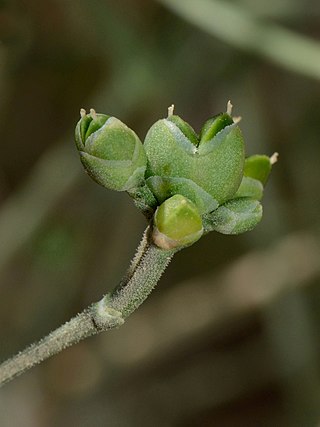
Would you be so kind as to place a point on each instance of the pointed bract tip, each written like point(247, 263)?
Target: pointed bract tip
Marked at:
point(237, 119)
point(274, 158)
point(229, 107)
point(93, 113)
point(83, 112)
point(170, 110)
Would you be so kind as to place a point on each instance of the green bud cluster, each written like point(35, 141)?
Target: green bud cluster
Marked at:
point(190, 183)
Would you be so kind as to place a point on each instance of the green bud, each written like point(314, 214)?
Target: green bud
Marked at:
point(213, 126)
point(215, 165)
point(256, 172)
point(234, 217)
point(177, 223)
point(258, 167)
point(250, 187)
point(185, 128)
point(111, 153)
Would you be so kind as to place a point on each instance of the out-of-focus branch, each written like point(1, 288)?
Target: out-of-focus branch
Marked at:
point(239, 27)
point(58, 169)
point(54, 175)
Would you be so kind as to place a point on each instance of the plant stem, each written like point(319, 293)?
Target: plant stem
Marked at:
point(75, 330)
point(110, 312)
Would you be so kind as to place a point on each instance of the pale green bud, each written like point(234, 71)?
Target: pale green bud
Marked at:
point(250, 187)
point(111, 153)
point(185, 128)
point(177, 223)
point(214, 125)
point(234, 217)
point(258, 167)
point(256, 171)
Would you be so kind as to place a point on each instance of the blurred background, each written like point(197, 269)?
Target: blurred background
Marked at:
point(230, 337)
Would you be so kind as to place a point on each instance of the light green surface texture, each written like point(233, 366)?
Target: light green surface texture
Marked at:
point(258, 167)
point(250, 187)
point(235, 216)
point(112, 155)
point(179, 220)
point(216, 166)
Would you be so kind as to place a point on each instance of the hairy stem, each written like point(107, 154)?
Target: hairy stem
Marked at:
point(75, 330)
point(110, 312)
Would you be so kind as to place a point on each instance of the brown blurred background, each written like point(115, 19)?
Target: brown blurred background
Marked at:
point(230, 337)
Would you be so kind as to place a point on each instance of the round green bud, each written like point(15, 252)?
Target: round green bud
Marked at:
point(215, 165)
point(177, 223)
point(111, 153)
